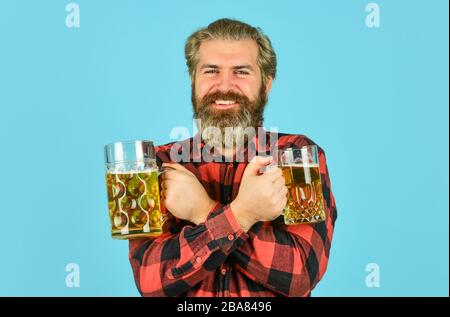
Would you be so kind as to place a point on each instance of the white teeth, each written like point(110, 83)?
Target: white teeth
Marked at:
point(224, 102)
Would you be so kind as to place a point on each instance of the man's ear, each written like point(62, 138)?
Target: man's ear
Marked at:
point(268, 85)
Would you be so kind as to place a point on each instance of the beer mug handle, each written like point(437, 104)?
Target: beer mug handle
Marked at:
point(165, 214)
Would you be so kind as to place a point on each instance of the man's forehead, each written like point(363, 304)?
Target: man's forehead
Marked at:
point(228, 52)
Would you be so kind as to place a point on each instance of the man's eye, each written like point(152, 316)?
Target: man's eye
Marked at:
point(242, 72)
point(211, 71)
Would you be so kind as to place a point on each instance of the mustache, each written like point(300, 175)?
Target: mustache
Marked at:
point(228, 95)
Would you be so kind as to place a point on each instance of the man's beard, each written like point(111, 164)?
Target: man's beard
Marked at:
point(241, 119)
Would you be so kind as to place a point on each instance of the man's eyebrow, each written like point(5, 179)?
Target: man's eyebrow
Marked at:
point(247, 66)
point(243, 66)
point(208, 66)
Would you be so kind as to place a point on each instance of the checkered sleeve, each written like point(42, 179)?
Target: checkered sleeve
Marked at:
point(171, 264)
point(289, 260)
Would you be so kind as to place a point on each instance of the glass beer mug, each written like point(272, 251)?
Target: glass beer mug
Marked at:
point(305, 203)
point(133, 189)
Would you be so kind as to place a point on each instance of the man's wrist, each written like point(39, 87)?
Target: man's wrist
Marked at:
point(203, 211)
point(243, 219)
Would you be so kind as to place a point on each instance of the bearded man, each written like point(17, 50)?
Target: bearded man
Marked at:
point(226, 236)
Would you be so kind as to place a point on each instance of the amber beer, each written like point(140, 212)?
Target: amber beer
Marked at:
point(133, 190)
point(305, 203)
point(134, 203)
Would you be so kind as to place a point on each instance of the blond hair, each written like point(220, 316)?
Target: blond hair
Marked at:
point(228, 29)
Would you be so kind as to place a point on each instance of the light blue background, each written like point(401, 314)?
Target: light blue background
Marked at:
point(375, 99)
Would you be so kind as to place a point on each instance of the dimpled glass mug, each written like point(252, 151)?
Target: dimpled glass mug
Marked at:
point(133, 190)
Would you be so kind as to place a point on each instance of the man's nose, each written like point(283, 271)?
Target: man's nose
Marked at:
point(226, 82)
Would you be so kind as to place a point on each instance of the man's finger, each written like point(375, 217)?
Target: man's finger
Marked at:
point(278, 184)
point(166, 173)
point(177, 167)
point(273, 175)
point(256, 163)
point(176, 175)
point(284, 190)
point(164, 184)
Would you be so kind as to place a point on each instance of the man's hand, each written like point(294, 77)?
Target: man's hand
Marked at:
point(260, 197)
point(183, 195)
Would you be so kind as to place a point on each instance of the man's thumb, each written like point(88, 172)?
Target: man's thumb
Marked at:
point(256, 163)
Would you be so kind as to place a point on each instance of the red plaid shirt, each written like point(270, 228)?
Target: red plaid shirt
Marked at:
point(217, 258)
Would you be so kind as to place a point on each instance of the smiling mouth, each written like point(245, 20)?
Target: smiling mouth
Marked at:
point(224, 104)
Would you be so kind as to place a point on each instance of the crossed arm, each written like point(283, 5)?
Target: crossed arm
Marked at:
point(289, 260)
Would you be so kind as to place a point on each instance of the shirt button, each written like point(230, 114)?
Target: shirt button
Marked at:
point(230, 237)
point(198, 259)
point(223, 271)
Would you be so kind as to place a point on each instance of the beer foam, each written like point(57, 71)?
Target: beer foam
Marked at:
point(147, 170)
point(312, 165)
